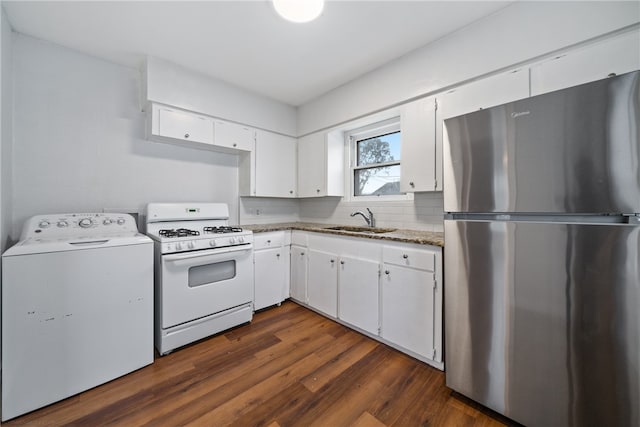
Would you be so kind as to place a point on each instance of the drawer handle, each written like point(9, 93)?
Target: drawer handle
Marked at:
point(405, 256)
point(186, 135)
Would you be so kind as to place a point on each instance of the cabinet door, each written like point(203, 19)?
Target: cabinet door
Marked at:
point(298, 283)
point(182, 125)
point(322, 282)
point(617, 55)
point(485, 93)
point(407, 308)
point(231, 135)
point(276, 165)
point(418, 156)
point(312, 158)
point(358, 293)
point(270, 273)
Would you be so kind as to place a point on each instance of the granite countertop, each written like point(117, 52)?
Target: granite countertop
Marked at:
point(398, 235)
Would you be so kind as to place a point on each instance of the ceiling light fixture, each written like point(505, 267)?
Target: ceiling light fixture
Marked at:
point(299, 10)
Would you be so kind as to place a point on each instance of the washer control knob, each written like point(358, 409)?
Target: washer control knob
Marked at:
point(212, 243)
point(107, 221)
point(120, 221)
point(62, 224)
point(44, 224)
point(85, 222)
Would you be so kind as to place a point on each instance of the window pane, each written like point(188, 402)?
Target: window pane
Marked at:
point(380, 181)
point(380, 149)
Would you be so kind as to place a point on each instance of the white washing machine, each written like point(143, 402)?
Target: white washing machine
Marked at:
point(77, 307)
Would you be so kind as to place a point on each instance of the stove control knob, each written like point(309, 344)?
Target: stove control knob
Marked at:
point(178, 246)
point(212, 243)
point(107, 221)
point(44, 224)
point(120, 221)
point(191, 245)
point(232, 241)
point(62, 224)
point(85, 223)
point(240, 239)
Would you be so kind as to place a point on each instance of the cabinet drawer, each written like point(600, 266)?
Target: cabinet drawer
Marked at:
point(299, 238)
point(268, 240)
point(421, 259)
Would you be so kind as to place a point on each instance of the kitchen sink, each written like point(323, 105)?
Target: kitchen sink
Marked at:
point(355, 229)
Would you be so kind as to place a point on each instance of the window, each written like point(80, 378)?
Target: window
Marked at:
point(375, 160)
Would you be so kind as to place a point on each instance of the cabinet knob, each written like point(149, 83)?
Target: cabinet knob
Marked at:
point(386, 272)
point(235, 145)
point(342, 262)
point(290, 191)
point(186, 135)
point(412, 184)
point(301, 253)
point(268, 242)
point(277, 255)
point(317, 190)
point(405, 256)
point(332, 261)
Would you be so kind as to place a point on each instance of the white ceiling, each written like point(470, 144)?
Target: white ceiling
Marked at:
point(244, 42)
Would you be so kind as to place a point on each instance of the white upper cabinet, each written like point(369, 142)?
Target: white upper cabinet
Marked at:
point(418, 156)
point(181, 125)
point(485, 93)
point(276, 165)
point(233, 136)
point(321, 165)
point(616, 55)
point(173, 125)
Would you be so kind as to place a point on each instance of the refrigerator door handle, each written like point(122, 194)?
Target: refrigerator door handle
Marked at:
point(632, 218)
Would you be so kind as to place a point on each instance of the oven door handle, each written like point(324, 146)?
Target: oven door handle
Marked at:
point(210, 252)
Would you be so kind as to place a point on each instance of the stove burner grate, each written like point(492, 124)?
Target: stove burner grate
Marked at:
point(222, 229)
point(180, 232)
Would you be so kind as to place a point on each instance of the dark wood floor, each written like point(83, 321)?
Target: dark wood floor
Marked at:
point(289, 367)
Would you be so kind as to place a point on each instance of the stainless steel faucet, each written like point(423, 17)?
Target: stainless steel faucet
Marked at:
point(371, 222)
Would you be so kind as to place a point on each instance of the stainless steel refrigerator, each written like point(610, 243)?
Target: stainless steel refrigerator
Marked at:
point(542, 259)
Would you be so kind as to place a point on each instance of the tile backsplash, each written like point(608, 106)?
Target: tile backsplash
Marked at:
point(422, 213)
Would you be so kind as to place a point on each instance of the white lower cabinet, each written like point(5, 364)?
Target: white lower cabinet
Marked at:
point(358, 293)
point(271, 269)
point(411, 301)
point(298, 288)
point(322, 282)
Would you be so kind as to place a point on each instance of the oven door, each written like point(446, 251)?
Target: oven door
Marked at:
point(201, 283)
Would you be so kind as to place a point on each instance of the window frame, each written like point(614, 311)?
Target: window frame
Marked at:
point(372, 130)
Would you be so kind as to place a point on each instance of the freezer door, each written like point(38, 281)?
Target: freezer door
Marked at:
point(542, 320)
point(570, 151)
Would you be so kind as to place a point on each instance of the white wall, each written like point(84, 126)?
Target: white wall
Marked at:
point(79, 142)
point(264, 210)
point(6, 128)
point(515, 34)
point(174, 85)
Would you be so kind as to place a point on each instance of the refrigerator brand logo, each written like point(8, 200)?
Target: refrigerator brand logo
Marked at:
point(519, 113)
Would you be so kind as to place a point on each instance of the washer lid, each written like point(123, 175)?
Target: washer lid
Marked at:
point(43, 245)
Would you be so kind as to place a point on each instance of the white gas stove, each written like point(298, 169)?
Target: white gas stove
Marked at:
point(203, 272)
point(183, 227)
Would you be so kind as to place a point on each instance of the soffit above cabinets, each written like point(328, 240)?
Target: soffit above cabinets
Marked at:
point(245, 43)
